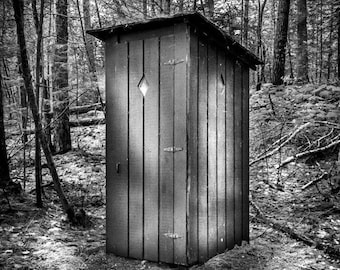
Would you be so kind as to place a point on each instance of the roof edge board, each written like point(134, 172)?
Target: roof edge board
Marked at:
point(193, 18)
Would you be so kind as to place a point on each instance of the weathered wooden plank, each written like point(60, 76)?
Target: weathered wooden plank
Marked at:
point(151, 143)
point(180, 140)
point(230, 151)
point(212, 151)
point(245, 152)
point(166, 218)
point(202, 154)
point(238, 153)
point(192, 101)
point(146, 34)
point(117, 149)
point(135, 150)
point(221, 151)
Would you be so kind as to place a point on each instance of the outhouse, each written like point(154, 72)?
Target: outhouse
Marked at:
point(176, 139)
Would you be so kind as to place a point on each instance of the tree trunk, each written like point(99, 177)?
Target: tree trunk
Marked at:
point(153, 9)
point(4, 168)
point(23, 104)
point(330, 50)
point(280, 42)
point(302, 52)
point(181, 6)
point(166, 8)
point(88, 42)
point(260, 47)
point(211, 8)
point(61, 132)
point(145, 9)
point(98, 14)
point(321, 42)
point(339, 43)
point(38, 79)
point(290, 60)
point(194, 6)
point(88, 39)
point(245, 23)
point(26, 73)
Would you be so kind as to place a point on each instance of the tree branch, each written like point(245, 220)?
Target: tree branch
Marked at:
point(309, 152)
point(281, 145)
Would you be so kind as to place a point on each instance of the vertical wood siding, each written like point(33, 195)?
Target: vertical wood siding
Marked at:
point(180, 140)
point(219, 87)
point(166, 214)
point(202, 151)
point(230, 150)
point(117, 149)
point(221, 152)
point(245, 152)
point(212, 151)
point(238, 154)
point(186, 206)
point(151, 150)
point(192, 189)
point(136, 143)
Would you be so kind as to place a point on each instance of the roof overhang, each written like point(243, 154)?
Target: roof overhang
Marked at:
point(195, 19)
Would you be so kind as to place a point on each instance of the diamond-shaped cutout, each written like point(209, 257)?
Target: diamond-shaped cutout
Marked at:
point(143, 85)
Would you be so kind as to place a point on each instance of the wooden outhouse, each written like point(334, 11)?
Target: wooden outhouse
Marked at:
point(176, 139)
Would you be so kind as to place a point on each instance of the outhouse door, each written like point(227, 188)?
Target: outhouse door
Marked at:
point(146, 147)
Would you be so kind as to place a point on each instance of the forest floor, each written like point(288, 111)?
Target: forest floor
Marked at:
point(33, 238)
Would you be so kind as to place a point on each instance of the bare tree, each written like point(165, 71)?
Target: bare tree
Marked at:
point(4, 168)
point(280, 42)
point(166, 7)
point(61, 132)
point(245, 23)
point(38, 20)
point(330, 50)
point(145, 9)
point(302, 54)
point(89, 47)
point(339, 43)
point(211, 8)
point(260, 46)
point(26, 73)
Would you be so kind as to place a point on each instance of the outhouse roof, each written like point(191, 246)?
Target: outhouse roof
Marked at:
point(195, 19)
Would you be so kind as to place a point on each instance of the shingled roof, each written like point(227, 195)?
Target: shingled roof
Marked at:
point(195, 19)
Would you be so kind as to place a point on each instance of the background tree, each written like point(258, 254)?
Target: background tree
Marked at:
point(38, 21)
point(260, 49)
point(4, 168)
point(26, 73)
point(211, 8)
point(280, 42)
point(61, 132)
point(167, 7)
point(338, 43)
point(302, 53)
point(245, 24)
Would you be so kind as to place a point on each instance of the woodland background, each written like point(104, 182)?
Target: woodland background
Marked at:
point(53, 102)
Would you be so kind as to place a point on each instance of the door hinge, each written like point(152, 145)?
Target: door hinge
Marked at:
point(173, 149)
point(174, 61)
point(172, 235)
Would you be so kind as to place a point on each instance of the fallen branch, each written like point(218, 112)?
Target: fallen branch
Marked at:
point(313, 182)
point(43, 186)
point(307, 153)
point(331, 251)
point(86, 108)
point(87, 122)
point(281, 145)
